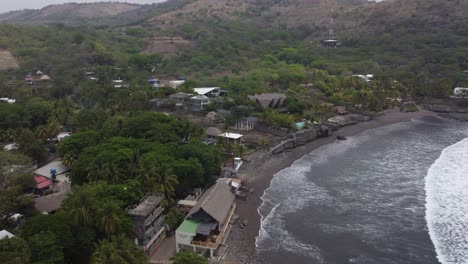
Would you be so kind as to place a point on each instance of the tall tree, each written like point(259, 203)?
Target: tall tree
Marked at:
point(14, 251)
point(119, 250)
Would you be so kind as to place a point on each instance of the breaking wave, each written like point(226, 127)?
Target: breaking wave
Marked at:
point(447, 204)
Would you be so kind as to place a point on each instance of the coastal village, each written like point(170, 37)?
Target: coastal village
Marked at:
point(233, 132)
point(208, 213)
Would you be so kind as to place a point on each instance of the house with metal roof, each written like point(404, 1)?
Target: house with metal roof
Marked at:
point(208, 91)
point(5, 234)
point(206, 224)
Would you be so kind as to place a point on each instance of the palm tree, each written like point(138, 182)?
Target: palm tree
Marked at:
point(165, 183)
point(68, 159)
point(106, 253)
point(109, 222)
point(97, 171)
point(105, 171)
point(146, 174)
point(80, 207)
point(119, 250)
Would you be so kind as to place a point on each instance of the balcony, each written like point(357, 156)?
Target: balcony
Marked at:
point(217, 239)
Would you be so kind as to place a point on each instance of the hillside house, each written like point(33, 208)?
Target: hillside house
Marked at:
point(154, 82)
point(45, 78)
point(179, 98)
point(175, 84)
point(268, 100)
point(148, 220)
point(208, 91)
point(8, 100)
point(206, 224)
point(213, 132)
point(460, 91)
point(330, 43)
point(198, 102)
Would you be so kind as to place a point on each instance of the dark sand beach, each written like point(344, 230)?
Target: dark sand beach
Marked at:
point(257, 173)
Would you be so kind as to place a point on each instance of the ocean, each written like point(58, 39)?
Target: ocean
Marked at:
point(394, 194)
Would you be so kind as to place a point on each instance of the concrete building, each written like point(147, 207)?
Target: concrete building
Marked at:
point(233, 138)
point(207, 223)
point(148, 219)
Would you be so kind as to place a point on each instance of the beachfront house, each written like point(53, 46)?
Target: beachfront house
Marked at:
point(206, 224)
point(148, 220)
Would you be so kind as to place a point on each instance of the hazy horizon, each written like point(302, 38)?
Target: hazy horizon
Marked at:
point(38, 4)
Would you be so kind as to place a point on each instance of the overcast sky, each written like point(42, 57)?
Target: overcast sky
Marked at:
point(10, 5)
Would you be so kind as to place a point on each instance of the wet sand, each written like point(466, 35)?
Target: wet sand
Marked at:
point(258, 172)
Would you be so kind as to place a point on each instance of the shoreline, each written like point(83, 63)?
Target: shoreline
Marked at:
point(258, 173)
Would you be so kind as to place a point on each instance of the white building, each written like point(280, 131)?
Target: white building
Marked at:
point(234, 138)
point(5, 234)
point(175, 84)
point(208, 91)
point(460, 91)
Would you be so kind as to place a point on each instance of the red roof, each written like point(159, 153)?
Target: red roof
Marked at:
point(42, 182)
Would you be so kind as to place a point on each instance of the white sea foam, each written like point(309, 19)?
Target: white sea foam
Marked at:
point(447, 204)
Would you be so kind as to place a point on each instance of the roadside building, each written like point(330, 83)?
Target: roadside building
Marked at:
point(179, 98)
point(207, 223)
point(199, 102)
point(148, 219)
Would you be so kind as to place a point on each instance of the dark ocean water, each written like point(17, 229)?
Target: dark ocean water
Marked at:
point(363, 200)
